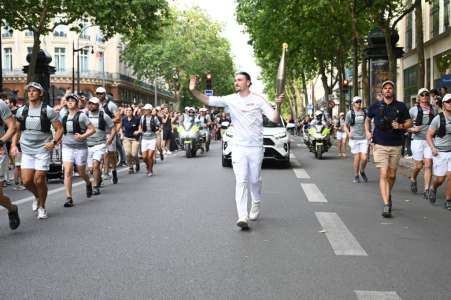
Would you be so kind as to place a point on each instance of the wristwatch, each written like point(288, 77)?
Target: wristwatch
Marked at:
point(55, 142)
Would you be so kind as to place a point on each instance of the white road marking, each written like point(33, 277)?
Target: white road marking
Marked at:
point(376, 295)
point(301, 173)
point(339, 236)
point(313, 193)
point(292, 156)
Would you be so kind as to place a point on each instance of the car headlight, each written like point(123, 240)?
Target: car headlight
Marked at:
point(280, 135)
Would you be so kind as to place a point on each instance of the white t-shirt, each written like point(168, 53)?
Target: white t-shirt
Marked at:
point(246, 114)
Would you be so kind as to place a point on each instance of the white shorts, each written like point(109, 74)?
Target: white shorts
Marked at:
point(112, 146)
point(4, 162)
point(341, 135)
point(441, 163)
point(77, 156)
point(148, 145)
point(420, 150)
point(38, 162)
point(95, 153)
point(18, 159)
point(358, 146)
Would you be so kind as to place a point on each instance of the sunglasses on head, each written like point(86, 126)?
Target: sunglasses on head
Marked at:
point(425, 94)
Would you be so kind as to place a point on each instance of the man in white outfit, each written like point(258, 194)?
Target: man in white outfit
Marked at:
point(246, 109)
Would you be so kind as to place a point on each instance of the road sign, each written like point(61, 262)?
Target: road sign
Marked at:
point(208, 92)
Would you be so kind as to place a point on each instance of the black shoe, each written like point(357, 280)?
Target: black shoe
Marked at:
point(425, 194)
point(161, 155)
point(130, 171)
point(89, 190)
point(363, 175)
point(137, 167)
point(386, 213)
point(14, 220)
point(122, 164)
point(69, 202)
point(413, 187)
point(96, 191)
point(432, 196)
point(114, 177)
point(448, 204)
point(390, 203)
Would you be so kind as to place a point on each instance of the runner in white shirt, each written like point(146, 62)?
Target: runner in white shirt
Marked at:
point(246, 109)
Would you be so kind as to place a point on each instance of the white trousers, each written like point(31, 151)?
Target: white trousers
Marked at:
point(247, 166)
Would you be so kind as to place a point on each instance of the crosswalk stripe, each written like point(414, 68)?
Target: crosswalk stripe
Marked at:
point(292, 156)
point(376, 295)
point(339, 236)
point(301, 173)
point(313, 193)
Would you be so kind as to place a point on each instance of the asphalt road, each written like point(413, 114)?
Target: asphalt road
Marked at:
point(173, 236)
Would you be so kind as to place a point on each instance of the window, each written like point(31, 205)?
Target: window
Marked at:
point(60, 59)
point(60, 31)
point(428, 73)
point(410, 83)
point(28, 33)
point(29, 50)
point(446, 8)
point(435, 18)
point(7, 32)
point(101, 64)
point(84, 33)
point(8, 59)
point(99, 37)
point(84, 60)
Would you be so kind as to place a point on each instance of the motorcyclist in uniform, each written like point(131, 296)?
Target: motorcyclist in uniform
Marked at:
point(204, 121)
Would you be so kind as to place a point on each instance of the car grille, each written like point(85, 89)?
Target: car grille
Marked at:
point(267, 141)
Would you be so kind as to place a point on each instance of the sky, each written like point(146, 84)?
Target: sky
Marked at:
point(223, 11)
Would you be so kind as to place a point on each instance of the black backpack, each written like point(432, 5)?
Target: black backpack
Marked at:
point(385, 124)
point(353, 117)
point(419, 119)
point(152, 124)
point(102, 124)
point(45, 121)
point(107, 110)
point(75, 123)
point(441, 132)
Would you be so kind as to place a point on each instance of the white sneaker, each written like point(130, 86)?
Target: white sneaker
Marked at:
point(255, 211)
point(42, 213)
point(243, 223)
point(34, 205)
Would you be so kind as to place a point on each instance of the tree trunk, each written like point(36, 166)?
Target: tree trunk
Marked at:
point(419, 43)
point(327, 89)
point(34, 57)
point(391, 57)
point(355, 51)
point(304, 89)
point(299, 109)
point(365, 86)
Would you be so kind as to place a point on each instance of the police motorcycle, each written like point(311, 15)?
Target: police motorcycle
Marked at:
point(204, 132)
point(317, 136)
point(189, 132)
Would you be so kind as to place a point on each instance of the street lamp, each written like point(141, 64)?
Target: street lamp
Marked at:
point(78, 59)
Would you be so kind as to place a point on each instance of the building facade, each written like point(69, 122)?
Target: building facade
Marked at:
point(98, 63)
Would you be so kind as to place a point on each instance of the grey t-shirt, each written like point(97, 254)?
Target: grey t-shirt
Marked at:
point(5, 113)
point(358, 129)
point(442, 144)
point(99, 137)
point(424, 127)
point(69, 139)
point(149, 134)
point(32, 140)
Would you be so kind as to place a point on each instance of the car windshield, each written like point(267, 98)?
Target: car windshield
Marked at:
point(268, 123)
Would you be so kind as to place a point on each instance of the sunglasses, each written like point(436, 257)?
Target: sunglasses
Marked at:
point(358, 101)
point(447, 102)
point(424, 94)
point(100, 93)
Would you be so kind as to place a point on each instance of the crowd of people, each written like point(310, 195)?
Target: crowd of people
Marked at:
point(93, 138)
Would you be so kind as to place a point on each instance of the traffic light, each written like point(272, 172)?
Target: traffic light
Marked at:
point(345, 85)
point(208, 84)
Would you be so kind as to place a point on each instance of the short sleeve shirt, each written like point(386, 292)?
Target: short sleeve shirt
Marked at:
point(246, 114)
point(130, 126)
point(442, 143)
point(99, 137)
point(32, 139)
point(5, 113)
point(148, 134)
point(383, 116)
point(358, 129)
point(424, 123)
point(69, 139)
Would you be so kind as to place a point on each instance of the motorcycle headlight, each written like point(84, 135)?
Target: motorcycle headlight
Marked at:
point(280, 135)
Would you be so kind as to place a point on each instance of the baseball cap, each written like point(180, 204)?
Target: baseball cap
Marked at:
point(35, 85)
point(148, 106)
point(422, 90)
point(203, 109)
point(73, 96)
point(94, 100)
point(446, 98)
point(388, 82)
point(356, 98)
point(100, 90)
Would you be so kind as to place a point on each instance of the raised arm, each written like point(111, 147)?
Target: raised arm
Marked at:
point(196, 93)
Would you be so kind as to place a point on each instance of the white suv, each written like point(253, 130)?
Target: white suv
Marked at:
point(276, 141)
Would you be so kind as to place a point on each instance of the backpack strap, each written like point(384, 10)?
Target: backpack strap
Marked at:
point(45, 121)
point(76, 128)
point(419, 119)
point(107, 109)
point(442, 128)
point(102, 123)
point(23, 120)
point(352, 117)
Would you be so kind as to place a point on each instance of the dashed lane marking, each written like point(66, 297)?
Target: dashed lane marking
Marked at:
point(376, 295)
point(301, 173)
point(313, 193)
point(339, 236)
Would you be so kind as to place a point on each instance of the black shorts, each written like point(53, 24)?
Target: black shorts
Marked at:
point(167, 135)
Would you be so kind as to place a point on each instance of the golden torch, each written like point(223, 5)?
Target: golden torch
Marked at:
point(281, 74)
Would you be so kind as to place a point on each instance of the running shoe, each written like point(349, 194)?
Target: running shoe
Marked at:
point(425, 194)
point(42, 213)
point(161, 155)
point(14, 220)
point(137, 168)
point(365, 179)
point(243, 223)
point(390, 203)
point(255, 211)
point(69, 202)
point(386, 213)
point(89, 190)
point(115, 180)
point(448, 204)
point(356, 179)
point(19, 187)
point(432, 196)
point(149, 174)
point(34, 205)
point(130, 171)
point(96, 191)
point(413, 187)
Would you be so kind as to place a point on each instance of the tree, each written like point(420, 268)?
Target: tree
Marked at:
point(136, 19)
point(190, 45)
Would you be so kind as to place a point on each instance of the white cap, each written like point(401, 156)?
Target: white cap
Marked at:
point(148, 106)
point(203, 109)
point(100, 90)
point(388, 82)
point(94, 100)
point(191, 108)
point(35, 85)
point(422, 90)
point(342, 114)
point(356, 98)
point(186, 108)
point(447, 97)
point(318, 112)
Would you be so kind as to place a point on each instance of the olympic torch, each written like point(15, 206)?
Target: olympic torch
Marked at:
point(281, 74)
